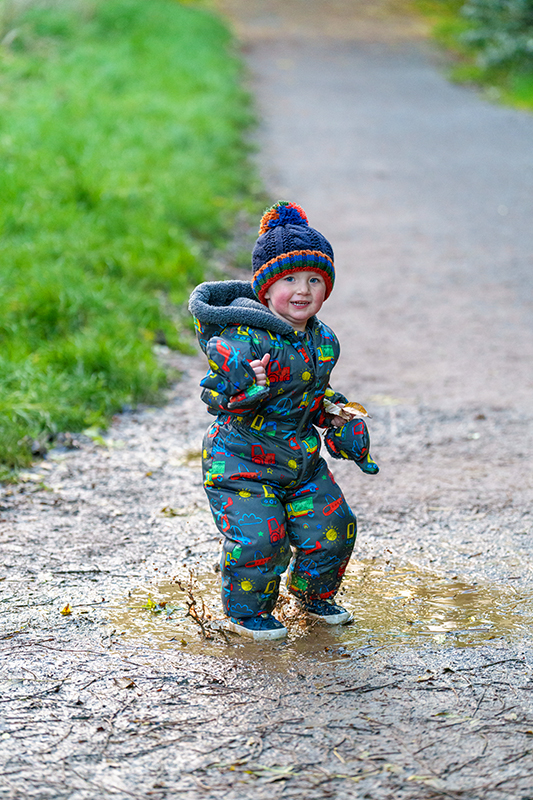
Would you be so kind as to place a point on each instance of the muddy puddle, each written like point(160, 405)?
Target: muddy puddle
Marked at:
point(392, 607)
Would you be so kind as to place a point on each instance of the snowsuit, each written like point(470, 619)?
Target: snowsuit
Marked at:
point(267, 485)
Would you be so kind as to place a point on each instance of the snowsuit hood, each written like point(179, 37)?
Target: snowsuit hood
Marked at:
point(217, 304)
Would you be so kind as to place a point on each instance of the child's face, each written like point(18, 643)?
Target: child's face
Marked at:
point(297, 297)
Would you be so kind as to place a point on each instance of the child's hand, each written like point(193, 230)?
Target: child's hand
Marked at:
point(337, 421)
point(344, 412)
point(258, 367)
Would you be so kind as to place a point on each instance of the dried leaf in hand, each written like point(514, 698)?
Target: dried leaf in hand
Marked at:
point(348, 412)
point(356, 410)
point(331, 408)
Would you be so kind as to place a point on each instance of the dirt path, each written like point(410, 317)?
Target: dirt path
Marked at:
point(425, 191)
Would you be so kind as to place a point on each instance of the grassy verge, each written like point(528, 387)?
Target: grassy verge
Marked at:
point(510, 81)
point(122, 162)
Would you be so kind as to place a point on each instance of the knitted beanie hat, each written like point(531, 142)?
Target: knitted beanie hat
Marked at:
point(288, 244)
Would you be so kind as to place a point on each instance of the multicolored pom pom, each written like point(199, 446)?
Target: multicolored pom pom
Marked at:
point(282, 213)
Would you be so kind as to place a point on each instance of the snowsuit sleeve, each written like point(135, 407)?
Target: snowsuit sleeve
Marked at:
point(230, 384)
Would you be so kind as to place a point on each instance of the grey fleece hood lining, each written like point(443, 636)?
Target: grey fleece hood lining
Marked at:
point(234, 303)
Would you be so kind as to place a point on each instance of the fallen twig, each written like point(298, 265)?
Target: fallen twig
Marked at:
point(363, 689)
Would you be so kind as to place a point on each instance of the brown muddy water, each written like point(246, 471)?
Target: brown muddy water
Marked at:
point(393, 606)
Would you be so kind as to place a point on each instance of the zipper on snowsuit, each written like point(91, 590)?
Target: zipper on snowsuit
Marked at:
point(306, 417)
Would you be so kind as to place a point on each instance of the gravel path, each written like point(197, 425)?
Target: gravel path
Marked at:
point(424, 189)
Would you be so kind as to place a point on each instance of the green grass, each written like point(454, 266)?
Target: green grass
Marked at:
point(510, 83)
point(122, 164)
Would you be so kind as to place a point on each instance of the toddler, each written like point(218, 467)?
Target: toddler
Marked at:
point(271, 494)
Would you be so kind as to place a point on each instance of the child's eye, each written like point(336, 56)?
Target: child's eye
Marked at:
point(289, 278)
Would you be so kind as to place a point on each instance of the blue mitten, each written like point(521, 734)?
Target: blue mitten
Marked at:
point(352, 441)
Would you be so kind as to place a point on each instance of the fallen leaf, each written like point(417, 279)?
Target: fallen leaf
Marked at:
point(66, 611)
point(177, 512)
point(169, 512)
point(154, 607)
point(124, 683)
point(29, 477)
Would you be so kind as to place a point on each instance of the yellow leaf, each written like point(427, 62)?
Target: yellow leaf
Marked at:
point(356, 410)
point(169, 512)
point(66, 611)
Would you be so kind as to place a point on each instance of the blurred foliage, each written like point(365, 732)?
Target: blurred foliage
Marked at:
point(501, 31)
point(493, 42)
point(122, 163)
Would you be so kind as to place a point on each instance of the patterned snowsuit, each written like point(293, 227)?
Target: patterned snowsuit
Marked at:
point(267, 485)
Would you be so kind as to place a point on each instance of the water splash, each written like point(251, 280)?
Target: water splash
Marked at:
point(404, 606)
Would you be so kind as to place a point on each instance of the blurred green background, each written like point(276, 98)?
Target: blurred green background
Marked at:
point(492, 41)
point(123, 164)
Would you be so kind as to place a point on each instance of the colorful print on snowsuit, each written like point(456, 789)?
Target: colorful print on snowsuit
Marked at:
point(269, 490)
point(261, 517)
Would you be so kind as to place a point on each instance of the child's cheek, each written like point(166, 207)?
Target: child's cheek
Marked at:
point(281, 299)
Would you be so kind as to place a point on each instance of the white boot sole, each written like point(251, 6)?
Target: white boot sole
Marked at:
point(257, 636)
point(332, 619)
